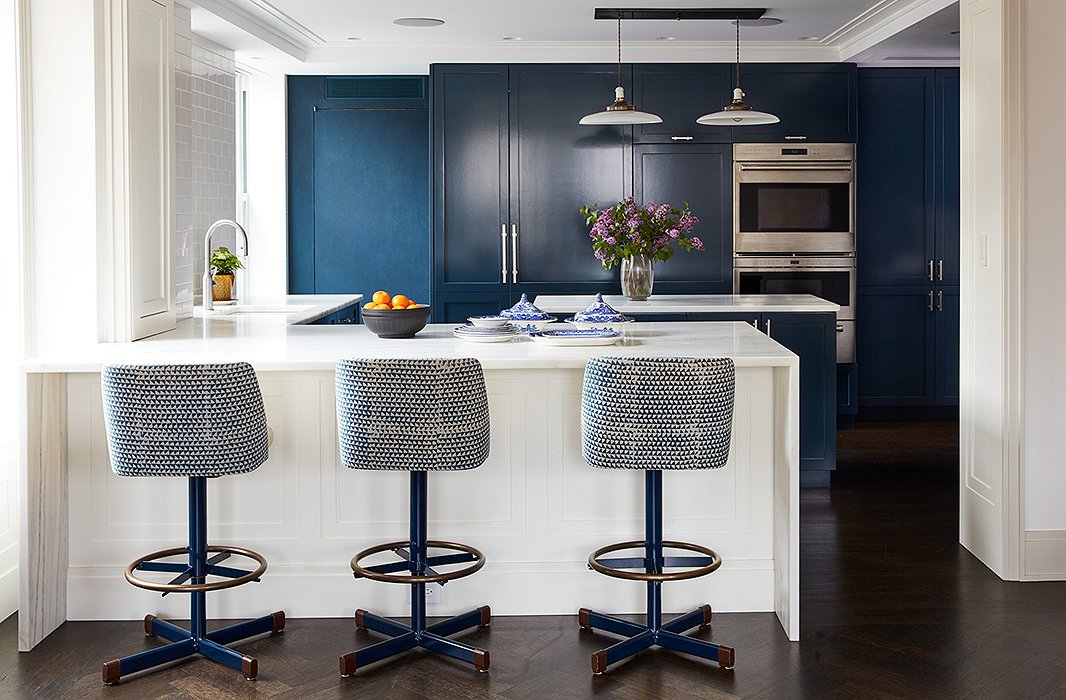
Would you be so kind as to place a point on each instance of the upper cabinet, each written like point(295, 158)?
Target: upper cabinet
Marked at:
point(816, 102)
point(680, 94)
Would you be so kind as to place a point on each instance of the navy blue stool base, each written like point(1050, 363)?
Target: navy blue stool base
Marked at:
point(419, 565)
point(197, 641)
point(654, 632)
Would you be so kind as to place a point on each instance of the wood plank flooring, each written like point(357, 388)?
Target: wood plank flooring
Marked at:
point(892, 607)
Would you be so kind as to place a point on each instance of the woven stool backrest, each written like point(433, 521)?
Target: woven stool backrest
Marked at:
point(657, 413)
point(184, 420)
point(416, 415)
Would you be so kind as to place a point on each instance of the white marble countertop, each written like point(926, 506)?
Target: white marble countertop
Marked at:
point(692, 303)
point(291, 309)
point(278, 347)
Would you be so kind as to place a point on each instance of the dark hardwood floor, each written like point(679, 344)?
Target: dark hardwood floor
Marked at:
point(892, 607)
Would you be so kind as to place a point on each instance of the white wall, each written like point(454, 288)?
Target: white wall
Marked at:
point(267, 211)
point(1044, 436)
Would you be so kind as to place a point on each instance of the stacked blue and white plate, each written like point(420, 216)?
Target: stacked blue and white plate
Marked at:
point(599, 315)
point(481, 334)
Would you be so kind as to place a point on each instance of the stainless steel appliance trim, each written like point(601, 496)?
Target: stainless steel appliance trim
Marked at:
point(845, 341)
point(776, 151)
point(805, 264)
point(783, 167)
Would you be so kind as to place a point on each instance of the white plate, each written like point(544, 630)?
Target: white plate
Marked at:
point(577, 338)
point(488, 321)
point(487, 338)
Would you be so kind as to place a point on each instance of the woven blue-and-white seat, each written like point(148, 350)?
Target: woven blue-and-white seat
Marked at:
point(196, 421)
point(425, 414)
point(417, 415)
point(656, 414)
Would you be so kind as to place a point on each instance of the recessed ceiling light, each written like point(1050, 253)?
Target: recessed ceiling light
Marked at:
point(418, 22)
point(355, 38)
point(512, 38)
point(255, 58)
point(666, 38)
point(761, 22)
point(809, 38)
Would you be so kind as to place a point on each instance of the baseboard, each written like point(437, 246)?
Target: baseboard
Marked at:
point(532, 588)
point(1045, 555)
point(9, 592)
point(892, 413)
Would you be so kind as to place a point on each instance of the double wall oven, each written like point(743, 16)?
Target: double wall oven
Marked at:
point(794, 226)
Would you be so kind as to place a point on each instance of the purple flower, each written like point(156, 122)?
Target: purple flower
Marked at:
point(600, 255)
point(673, 233)
point(611, 240)
point(697, 243)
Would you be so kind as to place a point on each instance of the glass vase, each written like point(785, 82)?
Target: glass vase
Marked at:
point(638, 276)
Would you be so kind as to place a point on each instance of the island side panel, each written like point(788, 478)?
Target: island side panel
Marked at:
point(43, 532)
point(786, 498)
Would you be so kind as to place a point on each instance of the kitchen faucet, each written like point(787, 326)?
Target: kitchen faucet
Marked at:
point(242, 249)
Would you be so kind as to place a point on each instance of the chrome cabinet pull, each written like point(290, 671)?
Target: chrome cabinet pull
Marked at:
point(768, 328)
point(503, 253)
point(940, 300)
point(680, 138)
point(840, 328)
point(940, 270)
point(795, 138)
point(514, 253)
point(930, 299)
point(930, 269)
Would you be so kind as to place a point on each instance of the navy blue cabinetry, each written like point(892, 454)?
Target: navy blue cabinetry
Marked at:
point(677, 93)
point(699, 174)
point(359, 206)
point(908, 237)
point(815, 102)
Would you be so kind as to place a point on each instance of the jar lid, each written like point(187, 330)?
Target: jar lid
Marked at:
point(599, 311)
point(524, 310)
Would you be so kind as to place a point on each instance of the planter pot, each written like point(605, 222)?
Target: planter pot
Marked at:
point(638, 276)
point(222, 290)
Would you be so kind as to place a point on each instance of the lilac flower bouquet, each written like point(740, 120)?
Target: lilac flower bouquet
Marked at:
point(626, 230)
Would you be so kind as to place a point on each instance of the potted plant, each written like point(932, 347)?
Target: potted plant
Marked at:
point(224, 265)
point(636, 237)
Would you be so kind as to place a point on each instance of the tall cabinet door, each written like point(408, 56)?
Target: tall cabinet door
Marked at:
point(894, 181)
point(470, 136)
point(895, 346)
point(700, 175)
point(558, 165)
point(947, 176)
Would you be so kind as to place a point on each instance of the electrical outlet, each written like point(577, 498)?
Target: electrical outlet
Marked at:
point(434, 593)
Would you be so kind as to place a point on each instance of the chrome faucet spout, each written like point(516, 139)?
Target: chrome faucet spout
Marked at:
point(242, 249)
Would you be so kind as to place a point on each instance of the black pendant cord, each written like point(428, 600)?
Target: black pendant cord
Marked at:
point(738, 52)
point(620, 52)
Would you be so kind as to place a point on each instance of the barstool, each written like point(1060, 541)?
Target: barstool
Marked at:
point(443, 409)
point(656, 414)
point(199, 422)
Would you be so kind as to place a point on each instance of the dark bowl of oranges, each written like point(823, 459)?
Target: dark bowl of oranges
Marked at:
point(389, 316)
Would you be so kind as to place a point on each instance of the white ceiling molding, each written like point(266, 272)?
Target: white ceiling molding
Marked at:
point(281, 18)
point(880, 22)
point(425, 53)
point(270, 29)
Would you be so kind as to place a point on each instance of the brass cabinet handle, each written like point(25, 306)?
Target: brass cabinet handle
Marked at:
point(514, 253)
point(930, 269)
point(503, 253)
point(940, 270)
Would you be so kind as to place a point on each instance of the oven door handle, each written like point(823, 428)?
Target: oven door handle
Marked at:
point(792, 167)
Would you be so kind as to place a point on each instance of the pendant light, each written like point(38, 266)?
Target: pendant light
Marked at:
point(737, 113)
point(621, 112)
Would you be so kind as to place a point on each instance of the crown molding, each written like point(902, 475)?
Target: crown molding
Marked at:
point(268, 24)
point(883, 20)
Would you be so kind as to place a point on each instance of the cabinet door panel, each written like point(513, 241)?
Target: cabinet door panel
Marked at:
point(815, 101)
point(894, 181)
point(371, 201)
point(947, 180)
point(558, 165)
point(470, 175)
point(700, 175)
point(678, 93)
point(813, 338)
point(456, 308)
point(947, 347)
point(894, 341)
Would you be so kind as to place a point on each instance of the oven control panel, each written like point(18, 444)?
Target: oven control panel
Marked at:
point(764, 152)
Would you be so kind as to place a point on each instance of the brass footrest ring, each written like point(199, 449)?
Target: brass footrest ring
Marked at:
point(412, 578)
point(645, 576)
point(195, 587)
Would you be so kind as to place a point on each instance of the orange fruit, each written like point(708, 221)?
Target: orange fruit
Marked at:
point(400, 300)
point(412, 305)
point(381, 297)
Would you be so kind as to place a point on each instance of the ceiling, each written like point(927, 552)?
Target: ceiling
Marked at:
point(932, 42)
point(347, 36)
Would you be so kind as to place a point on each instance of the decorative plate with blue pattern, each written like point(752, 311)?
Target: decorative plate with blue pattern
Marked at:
point(578, 337)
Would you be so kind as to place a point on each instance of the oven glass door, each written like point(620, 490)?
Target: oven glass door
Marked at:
point(831, 285)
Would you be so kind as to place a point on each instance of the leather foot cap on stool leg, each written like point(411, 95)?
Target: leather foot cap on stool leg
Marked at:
point(347, 664)
point(148, 626)
point(583, 618)
point(360, 621)
point(599, 662)
point(726, 657)
point(112, 671)
point(706, 615)
point(279, 621)
point(486, 616)
point(250, 668)
point(481, 660)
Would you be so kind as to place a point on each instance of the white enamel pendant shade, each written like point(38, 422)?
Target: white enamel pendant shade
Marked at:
point(737, 114)
point(621, 112)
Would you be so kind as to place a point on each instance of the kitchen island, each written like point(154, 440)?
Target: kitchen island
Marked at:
point(535, 507)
